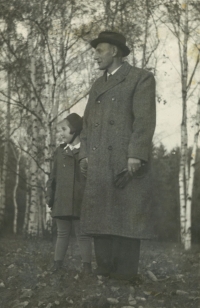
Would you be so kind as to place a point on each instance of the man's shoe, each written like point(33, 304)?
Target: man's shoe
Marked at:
point(133, 279)
point(102, 271)
point(87, 268)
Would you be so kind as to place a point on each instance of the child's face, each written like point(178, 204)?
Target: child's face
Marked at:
point(63, 130)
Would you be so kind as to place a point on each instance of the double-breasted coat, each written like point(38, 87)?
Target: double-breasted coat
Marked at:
point(66, 184)
point(119, 123)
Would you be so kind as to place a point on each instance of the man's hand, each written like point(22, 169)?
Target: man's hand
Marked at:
point(49, 206)
point(84, 166)
point(133, 165)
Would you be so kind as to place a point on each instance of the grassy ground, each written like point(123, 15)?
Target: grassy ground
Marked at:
point(25, 280)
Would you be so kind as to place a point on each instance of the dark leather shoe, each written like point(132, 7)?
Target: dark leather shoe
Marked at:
point(87, 268)
point(102, 271)
point(118, 276)
point(133, 279)
point(57, 265)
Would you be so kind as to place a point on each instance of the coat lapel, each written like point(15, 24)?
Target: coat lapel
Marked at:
point(103, 85)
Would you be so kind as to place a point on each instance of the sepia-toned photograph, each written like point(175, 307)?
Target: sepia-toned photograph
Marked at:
point(99, 153)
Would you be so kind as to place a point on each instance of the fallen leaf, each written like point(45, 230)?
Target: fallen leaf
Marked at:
point(26, 293)
point(99, 282)
point(194, 298)
point(70, 301)
point(11, 277)
point(2, 285)
point(21, 305)
point(140, 298)
point(132, 290)
point(112, 301)
point(152, 276)
point(114, 289)
point(133, 302)
point(147, 293)
point(60, 294)
point(180, 292)
point(131, 298)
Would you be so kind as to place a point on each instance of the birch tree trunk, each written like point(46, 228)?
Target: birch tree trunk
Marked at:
point(5, 156)
point(47, 220)
point(188, 220)
point(33, 211)
point(26, 215)
point(18, 157)
point(145, 35)
point(183, 172)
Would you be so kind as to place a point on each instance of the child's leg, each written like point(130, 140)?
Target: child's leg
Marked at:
point(85, 243)
point(62, 242)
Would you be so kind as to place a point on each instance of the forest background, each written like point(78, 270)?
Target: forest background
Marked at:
point(46, 71)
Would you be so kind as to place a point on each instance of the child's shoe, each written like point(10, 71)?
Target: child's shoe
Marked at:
point(57, 265)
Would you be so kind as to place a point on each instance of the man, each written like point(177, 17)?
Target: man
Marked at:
point(118, 127)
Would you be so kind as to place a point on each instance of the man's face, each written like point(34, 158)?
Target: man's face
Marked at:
point(104, 55)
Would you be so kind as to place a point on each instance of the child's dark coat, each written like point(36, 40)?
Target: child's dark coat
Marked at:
point(66, 184)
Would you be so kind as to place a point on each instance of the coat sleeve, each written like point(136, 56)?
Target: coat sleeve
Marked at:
point(51, 183)
point(144, 113)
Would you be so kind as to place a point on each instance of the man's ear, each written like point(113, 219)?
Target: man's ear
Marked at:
point(115, 50)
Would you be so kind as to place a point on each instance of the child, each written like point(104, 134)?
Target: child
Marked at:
point(65, 190)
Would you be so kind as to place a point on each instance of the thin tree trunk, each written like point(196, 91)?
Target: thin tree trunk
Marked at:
point(40, 213)
point(183, 173)
point(33, 212)
point(47, 168)
point(5, 155)
point(182, 188)
point(18, 157)
point(47, 220)
point(145, 35)
point(26, 215)
point(188, 220)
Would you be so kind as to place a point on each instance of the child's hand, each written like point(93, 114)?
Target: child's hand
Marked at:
point(84, 166)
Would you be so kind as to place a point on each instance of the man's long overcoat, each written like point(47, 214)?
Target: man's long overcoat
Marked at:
point(119, 123)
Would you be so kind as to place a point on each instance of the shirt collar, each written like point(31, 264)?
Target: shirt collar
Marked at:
point(72, 147)
point(108, 74)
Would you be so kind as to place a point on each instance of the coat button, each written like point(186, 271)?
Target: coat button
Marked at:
point(110, 147)
point(112, 122)
point(94, 148)
point(63, 165)
point(96, 124)
point(113, 99)
point(98, 102)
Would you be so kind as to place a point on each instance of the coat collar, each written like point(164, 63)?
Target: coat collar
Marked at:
point(68, 151)
point(102, 85)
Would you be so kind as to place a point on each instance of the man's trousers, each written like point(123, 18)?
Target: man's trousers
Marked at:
point(117, 256)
